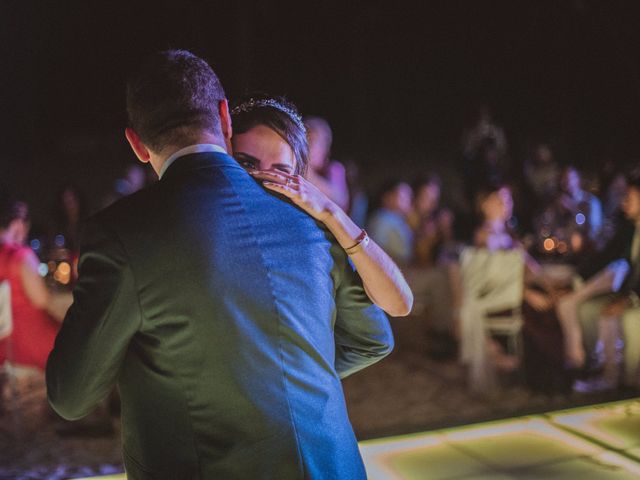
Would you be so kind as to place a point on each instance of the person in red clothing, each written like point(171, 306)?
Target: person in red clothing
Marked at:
point(34, 327)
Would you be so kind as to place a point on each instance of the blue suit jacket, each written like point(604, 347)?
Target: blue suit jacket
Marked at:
point(227, 317)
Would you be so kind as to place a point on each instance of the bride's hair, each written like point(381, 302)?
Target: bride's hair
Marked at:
point(279, 115)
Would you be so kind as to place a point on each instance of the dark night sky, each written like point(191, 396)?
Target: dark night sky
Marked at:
point(397, 80)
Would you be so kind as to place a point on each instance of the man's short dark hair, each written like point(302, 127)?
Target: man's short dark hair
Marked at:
point(10, 210)
point(172, 97)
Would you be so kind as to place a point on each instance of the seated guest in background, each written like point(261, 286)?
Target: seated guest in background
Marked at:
point(612, 186)
point(612, 191)
point(326, 174)
point(611, 291)
point(573, 212)
point(432, 225)
point(495, 205)
point(34, 327)
point(576, 200)
point(430, 276)
point(388, 225)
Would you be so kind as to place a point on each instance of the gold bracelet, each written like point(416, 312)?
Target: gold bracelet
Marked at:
point(361, 242)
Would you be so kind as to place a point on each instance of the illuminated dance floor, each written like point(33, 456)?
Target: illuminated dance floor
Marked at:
point(592, 443)
point(601, 442)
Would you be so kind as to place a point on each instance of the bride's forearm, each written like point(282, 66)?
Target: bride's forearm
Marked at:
point(381, 277)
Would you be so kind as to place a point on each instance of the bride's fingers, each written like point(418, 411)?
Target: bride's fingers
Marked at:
point(280, 188)
point(290, 181)
point(268, 176)
point(279, 177)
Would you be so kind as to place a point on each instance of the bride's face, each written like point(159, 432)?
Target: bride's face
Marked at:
point(261, 148)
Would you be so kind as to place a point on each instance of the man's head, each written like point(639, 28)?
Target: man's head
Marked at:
point(426, 193)
point(14, 220)
point(174, 100)
point(631, 201)
point(396, 195)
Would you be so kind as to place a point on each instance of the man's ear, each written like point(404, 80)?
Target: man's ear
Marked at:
point(225, 119)
point(141, 151)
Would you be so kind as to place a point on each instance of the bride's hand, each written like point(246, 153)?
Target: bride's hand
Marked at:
point(302, 192)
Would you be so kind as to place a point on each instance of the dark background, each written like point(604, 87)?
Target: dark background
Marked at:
point(398, 81)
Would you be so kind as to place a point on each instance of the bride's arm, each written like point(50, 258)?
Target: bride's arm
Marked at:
point(381, 277)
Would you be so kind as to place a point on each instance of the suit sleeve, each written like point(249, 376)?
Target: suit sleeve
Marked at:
point(362, 331)
point(98, 327)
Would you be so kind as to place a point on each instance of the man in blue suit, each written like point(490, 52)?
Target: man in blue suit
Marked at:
point(225, 315)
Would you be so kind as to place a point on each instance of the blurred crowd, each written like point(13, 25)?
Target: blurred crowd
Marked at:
point(531, 269)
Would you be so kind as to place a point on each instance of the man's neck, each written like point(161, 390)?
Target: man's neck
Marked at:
point(159, 159)
point(495, 225)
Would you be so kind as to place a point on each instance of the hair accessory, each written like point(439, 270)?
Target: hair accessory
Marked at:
point(252, 104)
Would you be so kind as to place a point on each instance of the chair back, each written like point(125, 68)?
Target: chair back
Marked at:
point(494, 280)
point(6, 316)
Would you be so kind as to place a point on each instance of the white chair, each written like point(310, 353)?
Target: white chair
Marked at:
point(492, 282)
point(6, 327)
point(6, 316)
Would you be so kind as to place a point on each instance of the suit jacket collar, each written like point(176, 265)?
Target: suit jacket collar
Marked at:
point(195, 148)
point(196, 161)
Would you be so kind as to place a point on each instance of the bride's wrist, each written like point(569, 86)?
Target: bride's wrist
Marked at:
point(342, 227)
point(331, 215)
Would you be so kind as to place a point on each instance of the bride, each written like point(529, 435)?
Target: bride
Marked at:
point(270, 142)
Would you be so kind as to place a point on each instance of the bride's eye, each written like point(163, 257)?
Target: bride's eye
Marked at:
point(246, 161)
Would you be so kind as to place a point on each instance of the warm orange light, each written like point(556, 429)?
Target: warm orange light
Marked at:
point(549, 244)
point(64, 268)
point(63, 274)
